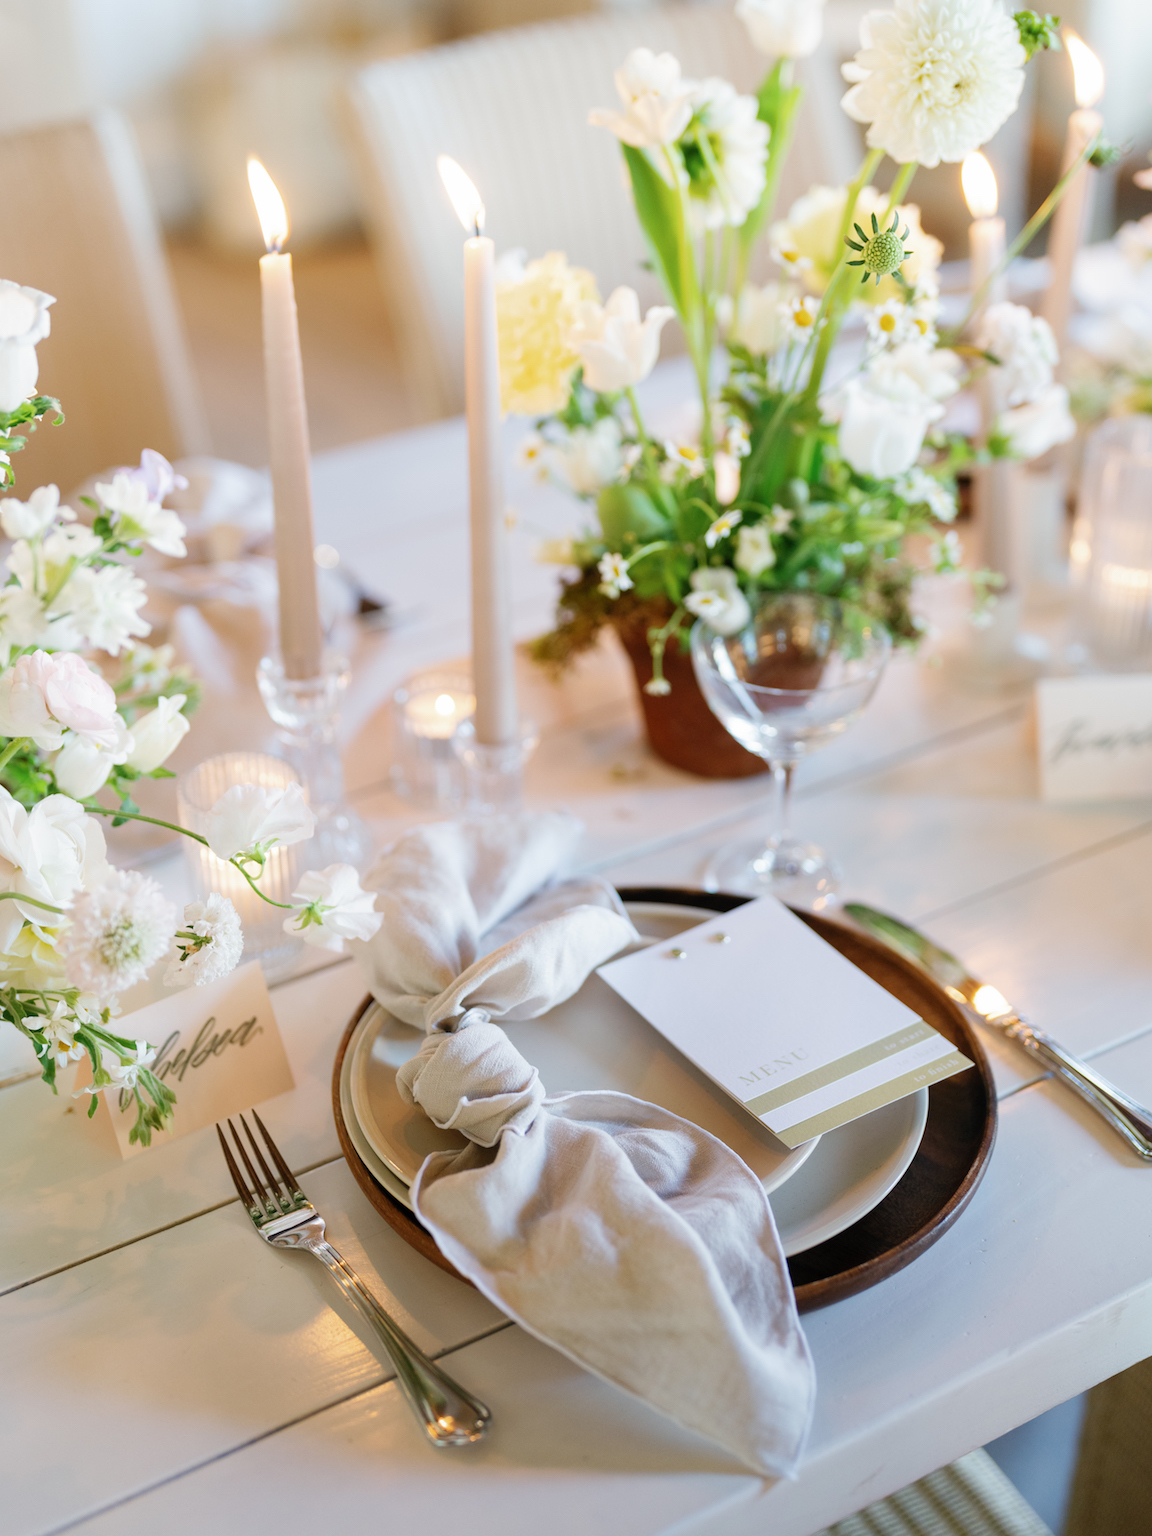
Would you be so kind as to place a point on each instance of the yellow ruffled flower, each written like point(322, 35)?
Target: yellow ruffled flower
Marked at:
point(808, 235)
point(33, 961)
point(535, 310)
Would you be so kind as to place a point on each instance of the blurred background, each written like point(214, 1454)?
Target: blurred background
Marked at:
point(203, 83)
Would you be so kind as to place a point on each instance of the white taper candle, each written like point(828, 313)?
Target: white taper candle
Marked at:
point(1070, 220)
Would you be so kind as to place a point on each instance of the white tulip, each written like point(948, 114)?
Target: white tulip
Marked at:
point(156, 735)
point(1033, 428)
point(332, 908)
point(24, 320)
point(717, 599)
point(616, 347)
point(657, 103)
point(82, 766)
point(883, 420)
point(251, 818)
point(783, 28)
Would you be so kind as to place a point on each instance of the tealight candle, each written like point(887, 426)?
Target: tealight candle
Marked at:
point(427, 710)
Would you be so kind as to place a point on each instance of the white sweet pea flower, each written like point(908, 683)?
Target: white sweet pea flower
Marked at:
point(41, 695)
point(754, 552)
point(31, 519)
point(82, 766)
point(614, 577)
point(208, 946)
point(24, 321)
point(935, 79)
point(46, 854)
point(717, 599)
point(783, 28)
point(616, 347)
point(1033, 428)
point(1026, 351)
point(883, 419)
point(137, 517)
point(156, 735)
point(157, 475)
point(116, 932)
point(657, 103)
point(249, 819)
point(332, 908)
point(721, 528)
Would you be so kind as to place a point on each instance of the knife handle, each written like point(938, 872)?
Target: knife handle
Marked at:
point(1131, 1120)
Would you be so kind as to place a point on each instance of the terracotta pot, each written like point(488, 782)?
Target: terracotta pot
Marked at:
point(681, 728)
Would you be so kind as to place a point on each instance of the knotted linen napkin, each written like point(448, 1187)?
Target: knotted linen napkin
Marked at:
point(629, 1239)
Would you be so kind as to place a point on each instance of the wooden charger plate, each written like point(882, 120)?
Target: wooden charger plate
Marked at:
point(939, 1183)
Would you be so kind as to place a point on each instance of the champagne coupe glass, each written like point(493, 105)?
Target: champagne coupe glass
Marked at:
point(794, 678)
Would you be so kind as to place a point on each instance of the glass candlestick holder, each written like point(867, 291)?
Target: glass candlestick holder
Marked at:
point(307, 711)
point(427, 710)
point(494, 775)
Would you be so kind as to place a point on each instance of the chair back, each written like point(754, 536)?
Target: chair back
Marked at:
point(78, 222)
point(512, 107)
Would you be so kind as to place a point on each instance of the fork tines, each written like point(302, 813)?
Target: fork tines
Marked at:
point(268, 1191)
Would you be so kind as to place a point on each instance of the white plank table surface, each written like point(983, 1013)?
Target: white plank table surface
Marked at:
point(162, 1370)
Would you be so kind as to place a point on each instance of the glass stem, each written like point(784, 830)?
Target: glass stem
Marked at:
point(782, 776)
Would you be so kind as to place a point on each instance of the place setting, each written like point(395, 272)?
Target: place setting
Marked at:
point(664, 1082)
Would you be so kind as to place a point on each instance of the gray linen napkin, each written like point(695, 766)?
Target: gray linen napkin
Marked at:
point(630, 1240)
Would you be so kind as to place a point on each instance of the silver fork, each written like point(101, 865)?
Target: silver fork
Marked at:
point(285, 1217)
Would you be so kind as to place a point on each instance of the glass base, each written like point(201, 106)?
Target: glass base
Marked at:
point(494, 775)
point(797, 873)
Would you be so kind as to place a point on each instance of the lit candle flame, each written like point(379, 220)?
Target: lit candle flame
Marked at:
point(979, 182)
point(270, 207)
point(990, 1003)
point(465, 198)
point(1087, 71)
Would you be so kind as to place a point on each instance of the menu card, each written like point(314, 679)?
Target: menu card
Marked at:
point(782, 1021)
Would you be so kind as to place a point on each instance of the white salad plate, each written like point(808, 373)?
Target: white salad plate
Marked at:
point(595, 1040)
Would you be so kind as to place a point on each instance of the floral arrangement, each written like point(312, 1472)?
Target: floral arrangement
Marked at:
point(806, 472)
point(87, 708)
point(1112, 367)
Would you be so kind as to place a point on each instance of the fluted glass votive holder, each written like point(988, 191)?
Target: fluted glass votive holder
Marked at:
point(427, 710)
point(197, 791)
point(1111, 568)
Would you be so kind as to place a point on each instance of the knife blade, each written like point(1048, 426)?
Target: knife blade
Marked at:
point(1128, 1118)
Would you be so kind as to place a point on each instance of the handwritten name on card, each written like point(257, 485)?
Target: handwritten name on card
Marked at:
point(217, 1047)
point(1095, 737)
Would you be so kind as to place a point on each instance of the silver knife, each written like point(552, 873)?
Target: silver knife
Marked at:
point(1123, 1114)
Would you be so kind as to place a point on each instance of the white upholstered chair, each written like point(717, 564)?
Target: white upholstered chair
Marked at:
point(513, 107)
point(78, 222)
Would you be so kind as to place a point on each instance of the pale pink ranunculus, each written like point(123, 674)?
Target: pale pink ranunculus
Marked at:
point(40, 694)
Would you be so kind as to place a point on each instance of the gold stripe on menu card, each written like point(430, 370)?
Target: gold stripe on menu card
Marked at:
point(875, 1098)
point(843, 1066)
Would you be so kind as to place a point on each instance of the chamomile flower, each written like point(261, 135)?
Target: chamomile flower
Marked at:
point(721, 528)
point(614, 577)
point(799, 317)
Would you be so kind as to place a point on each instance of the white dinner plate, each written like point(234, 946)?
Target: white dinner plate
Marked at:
point(596, 1040)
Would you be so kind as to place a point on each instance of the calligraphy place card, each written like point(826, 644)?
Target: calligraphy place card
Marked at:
point(1095, 737)
point(217, 1047)
point(781, 1021)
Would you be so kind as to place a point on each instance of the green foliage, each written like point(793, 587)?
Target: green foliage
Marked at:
point(661, 215)
point(1106, 154)
point(1037, 32)
point(29, 415)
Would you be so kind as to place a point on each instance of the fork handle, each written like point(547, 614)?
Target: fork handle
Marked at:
point(450, 1415)
point(1131, 1120)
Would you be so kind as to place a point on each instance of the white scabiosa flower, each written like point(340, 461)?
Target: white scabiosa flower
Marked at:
point(117, 932)
point(783, 28)
point(656, 101)
point(807, 236)
point(332, 908)
point(250, 819)
point(935, 79)
point(717, 599)
point(208, 946)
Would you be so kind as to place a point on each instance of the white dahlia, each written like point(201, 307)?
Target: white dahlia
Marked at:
point(935, 79)
point(725, 149)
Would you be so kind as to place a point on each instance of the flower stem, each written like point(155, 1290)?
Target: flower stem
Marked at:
point(17, 744)
point(103, 810)
point(901, 184)
point(31, 900)
point(641, 430)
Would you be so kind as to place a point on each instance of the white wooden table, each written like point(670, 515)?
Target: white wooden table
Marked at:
point(164, 1371)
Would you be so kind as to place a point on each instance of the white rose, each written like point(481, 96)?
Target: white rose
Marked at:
point(332, 908)
point(32, 518)
point(657, 103)
point(249, 817)
point(754, 551)
point(616, 347)
point(46, 853)
point(717, 599)
point(156, 735)
point(788, 28)
point(935, 371)
point(1033, 428)
point(24, 320)
point(883, 420)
